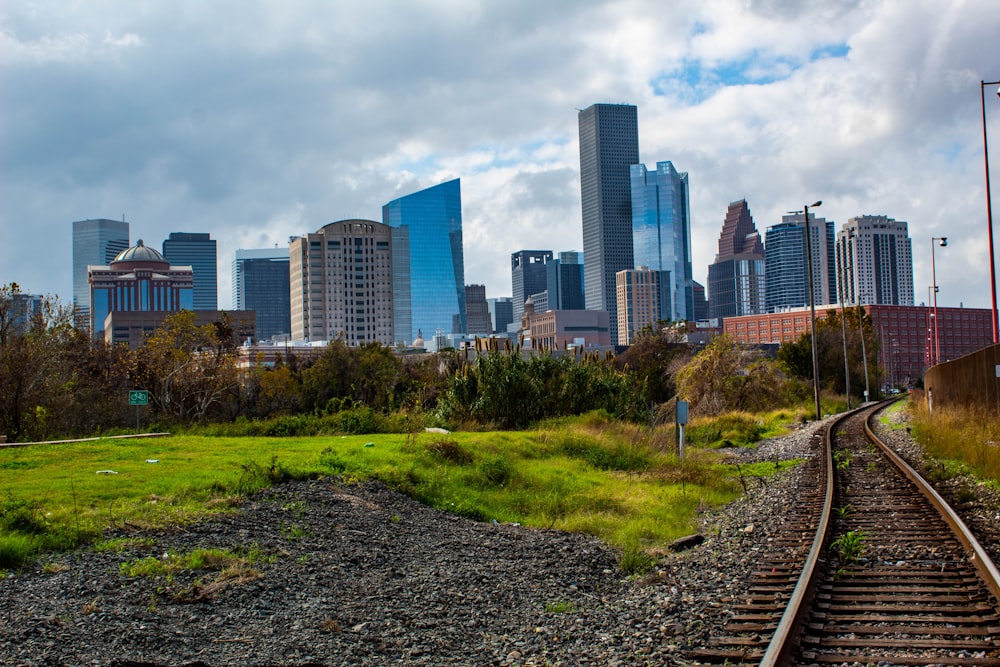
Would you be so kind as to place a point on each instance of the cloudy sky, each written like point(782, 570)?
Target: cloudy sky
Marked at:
point(256, 121)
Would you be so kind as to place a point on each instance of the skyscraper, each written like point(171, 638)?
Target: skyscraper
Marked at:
point(564, 282)
point(95, 243)
point(874, 262)
point(527, 276)
point(196, 250)
point(477, 310)
point(736, 280)
point(260, 284)
point(638, 295)
point(661, 233)
point(785, 263)
point(341, 283)
point(501, 313)
point(609, 145)
point(428, 261)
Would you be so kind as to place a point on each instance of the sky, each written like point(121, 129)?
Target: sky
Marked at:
point(257, 121)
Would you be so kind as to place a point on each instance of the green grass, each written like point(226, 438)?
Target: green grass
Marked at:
point(589, 475)
point(959, 438)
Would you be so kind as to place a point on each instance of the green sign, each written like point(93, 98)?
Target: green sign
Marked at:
point(138, 397)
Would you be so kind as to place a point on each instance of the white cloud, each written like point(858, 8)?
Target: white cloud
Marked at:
point(256, 121)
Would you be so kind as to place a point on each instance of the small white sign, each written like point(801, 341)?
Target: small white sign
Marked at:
point(998, 370)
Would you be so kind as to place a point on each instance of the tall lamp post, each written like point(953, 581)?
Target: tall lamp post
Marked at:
point(812, 308)
point(934, 287)
point(989, 211)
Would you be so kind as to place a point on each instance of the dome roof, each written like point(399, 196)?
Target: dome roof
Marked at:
point(140, 253)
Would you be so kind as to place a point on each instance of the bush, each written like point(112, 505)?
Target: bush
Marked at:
point(497, 470)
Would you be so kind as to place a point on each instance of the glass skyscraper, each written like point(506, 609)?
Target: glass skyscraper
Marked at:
point(95, 243)
point(564, 281)
point(428, 264)
point(661, 235)
point(527, 276)
point(785, 263)
point(261, 284)
point(609, 146)
point(196, 250)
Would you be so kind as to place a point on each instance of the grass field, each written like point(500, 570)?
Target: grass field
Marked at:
point(958, 436)
point(590, 474)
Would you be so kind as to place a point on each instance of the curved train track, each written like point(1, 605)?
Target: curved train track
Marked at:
point(873, 568)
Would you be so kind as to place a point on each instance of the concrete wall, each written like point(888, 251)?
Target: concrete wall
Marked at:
point(972, 380)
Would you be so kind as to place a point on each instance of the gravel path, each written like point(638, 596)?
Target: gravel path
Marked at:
point(362, 575)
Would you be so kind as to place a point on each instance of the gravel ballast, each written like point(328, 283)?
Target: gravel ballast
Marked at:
point(362, 575)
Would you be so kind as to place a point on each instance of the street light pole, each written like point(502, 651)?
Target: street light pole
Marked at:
point(989, 211)
point(937, 345)
point(812, 310)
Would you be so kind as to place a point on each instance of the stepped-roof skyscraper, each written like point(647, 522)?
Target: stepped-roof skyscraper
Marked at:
point(609, 146)
point(736, 279)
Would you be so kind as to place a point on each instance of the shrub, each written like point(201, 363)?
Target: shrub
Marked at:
point(450, 451)
point(497, 470)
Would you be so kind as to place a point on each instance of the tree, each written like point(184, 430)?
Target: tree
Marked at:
point(831, 339)
point(34, 375)
point(654, 358)
point(725, 377)
point(188, 369)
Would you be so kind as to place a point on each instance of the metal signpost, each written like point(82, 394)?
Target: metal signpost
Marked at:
point(682, 420)
point(138, 398)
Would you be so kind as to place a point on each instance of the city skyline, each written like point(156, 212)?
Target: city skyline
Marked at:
point(285, 122)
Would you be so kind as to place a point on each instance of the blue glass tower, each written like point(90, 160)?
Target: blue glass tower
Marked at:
point(428, 264)
point(261, 283)
point(661, 235)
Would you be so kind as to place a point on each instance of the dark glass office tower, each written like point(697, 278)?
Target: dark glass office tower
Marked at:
point(609, 145)
point(564, 281)
point(95, 243)
point(785, 261)
point(196, 250)
point(428, 265)
point(261, 284)
point(527, 276)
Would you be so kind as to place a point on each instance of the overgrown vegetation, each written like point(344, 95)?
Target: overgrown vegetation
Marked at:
point(957, 437)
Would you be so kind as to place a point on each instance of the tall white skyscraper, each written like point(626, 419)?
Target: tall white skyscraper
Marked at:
point(875, 262)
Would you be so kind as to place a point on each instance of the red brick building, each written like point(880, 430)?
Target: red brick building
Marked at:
point(906, 333)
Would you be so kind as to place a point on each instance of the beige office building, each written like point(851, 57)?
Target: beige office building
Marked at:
point(638, 301)
point(341, 283)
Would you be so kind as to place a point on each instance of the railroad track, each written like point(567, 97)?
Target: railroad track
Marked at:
point(873, 568)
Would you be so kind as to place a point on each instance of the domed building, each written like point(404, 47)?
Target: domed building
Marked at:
point(139, 279)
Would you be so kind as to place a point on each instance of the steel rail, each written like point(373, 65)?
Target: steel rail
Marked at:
point(779, 650)
point(980, 559)
point(782, 641)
